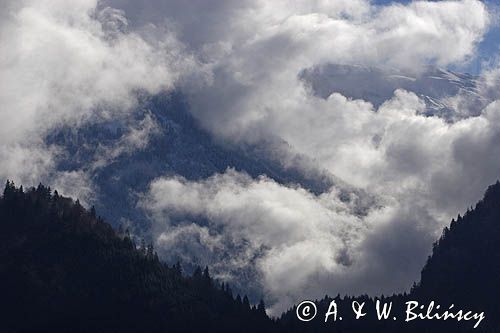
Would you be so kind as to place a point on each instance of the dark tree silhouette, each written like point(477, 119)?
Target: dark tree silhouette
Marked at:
point(64, 269)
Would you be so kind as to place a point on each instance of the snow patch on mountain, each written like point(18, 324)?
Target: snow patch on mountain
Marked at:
point(444, 92)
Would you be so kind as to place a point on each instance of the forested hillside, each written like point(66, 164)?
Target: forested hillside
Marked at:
point(65, 269)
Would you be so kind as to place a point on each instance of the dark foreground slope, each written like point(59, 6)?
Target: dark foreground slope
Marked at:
point(64, 269)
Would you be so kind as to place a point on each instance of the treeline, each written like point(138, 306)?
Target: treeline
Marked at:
point(64, 269)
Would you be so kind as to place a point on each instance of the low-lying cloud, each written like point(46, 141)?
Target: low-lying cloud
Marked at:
point(299, 244)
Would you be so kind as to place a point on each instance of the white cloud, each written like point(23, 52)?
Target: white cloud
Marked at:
point(65, 63)
point(137, 137)
point(256, 64)
point(289, 233)
point(300, 245)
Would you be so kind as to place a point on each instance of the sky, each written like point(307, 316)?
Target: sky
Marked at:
point(240, 65)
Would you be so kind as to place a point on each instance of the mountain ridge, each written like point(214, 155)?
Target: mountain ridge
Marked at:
point(65, 269)
point(55, 255)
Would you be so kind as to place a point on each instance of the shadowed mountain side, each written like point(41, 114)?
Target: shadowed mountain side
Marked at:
point(172, 144)
point(65, 270)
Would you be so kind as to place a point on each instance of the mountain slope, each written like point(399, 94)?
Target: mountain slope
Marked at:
point(168, 141)
point(465, 262)
point(64, 269)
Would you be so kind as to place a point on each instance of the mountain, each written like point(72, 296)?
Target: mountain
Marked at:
point(442, 91)
point(122, 158)
point(65, 270)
